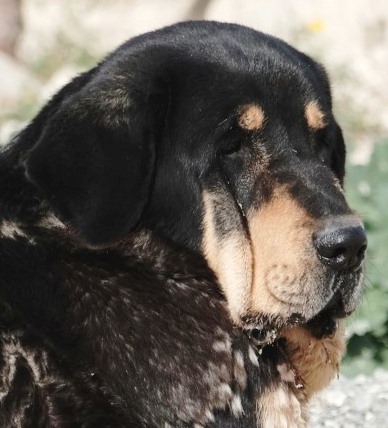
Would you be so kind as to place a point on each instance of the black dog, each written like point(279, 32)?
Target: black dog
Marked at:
point(176, 249)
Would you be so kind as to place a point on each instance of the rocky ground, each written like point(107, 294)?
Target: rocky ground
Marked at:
point(361, 402)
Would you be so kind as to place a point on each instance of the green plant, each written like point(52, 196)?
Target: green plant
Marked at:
point(367, 192)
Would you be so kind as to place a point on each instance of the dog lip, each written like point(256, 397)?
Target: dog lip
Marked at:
point(296, 318)
point(263, 330)
point(325, 323)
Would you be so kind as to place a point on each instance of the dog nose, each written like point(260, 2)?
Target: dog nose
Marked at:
point(341, 244)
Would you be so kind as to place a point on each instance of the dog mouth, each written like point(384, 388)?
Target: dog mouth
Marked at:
point(325, 323)
point(263, 331)
point(347, 288)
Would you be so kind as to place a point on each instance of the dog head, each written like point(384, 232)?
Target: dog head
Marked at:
point(223, 140)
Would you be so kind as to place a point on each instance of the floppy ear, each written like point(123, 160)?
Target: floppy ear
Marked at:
point(334, 137)
point(339, 151)
point(95, 156)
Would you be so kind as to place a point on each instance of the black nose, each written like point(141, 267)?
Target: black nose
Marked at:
point(341, 243)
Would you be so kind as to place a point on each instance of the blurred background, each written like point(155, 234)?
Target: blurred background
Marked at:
point(44, 43)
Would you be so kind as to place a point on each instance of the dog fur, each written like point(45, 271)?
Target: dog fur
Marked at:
point(158, 226)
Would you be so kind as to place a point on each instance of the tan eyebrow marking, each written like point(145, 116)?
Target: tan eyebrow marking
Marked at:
point(314, 115)
point(251, 117)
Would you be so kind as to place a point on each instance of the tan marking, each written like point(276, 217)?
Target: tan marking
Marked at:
point(316, 361)
point(230, 258)
point(280, 407)
point(276, 272)
point(314, 115)
point(251, 117)
point(287, 274)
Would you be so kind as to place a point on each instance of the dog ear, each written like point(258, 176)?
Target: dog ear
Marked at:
point(338, 152)
point(334, 135)
point(95, 156)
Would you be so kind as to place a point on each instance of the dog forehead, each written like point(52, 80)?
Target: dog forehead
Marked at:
point(225, 48)
point(214, 67)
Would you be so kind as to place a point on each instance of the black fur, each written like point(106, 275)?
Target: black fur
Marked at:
point(127, 338)
point(110, 319)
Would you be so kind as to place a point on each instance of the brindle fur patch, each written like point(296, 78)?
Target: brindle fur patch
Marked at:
point(281, 407)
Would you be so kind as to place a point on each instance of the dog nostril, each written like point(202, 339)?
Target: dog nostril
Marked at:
point(361, 251)
point(341, 246)
point(338, 252)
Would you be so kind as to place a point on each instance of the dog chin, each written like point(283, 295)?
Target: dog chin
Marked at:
point(325, 322)
point(264, 329)
point(346, 298)
point(321, 322)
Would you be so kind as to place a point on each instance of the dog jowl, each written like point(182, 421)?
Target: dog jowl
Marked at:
point(222, 140)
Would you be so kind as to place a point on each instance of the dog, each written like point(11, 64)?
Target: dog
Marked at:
point(176, 246)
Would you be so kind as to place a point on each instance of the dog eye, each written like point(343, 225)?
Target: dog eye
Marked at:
point(232, 147)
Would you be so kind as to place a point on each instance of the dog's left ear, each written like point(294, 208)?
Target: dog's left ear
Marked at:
point(95, 156)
